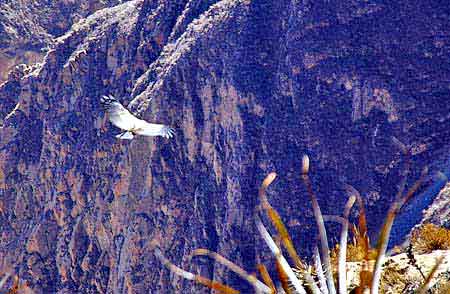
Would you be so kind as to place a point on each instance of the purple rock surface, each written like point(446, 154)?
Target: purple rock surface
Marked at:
point(249, 86)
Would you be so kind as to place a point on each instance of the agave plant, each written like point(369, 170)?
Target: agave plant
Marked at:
point(15, 287)
point(318, 277)
point(4, 279)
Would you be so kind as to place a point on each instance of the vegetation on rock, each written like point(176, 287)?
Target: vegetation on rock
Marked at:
point(377, 274)
point(430, 237)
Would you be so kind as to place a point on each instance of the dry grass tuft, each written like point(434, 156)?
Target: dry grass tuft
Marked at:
point(444, 289)
point(430, 237)
point(355, 253)
point(356, 250)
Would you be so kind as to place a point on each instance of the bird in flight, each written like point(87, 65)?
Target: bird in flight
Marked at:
point(130, 124)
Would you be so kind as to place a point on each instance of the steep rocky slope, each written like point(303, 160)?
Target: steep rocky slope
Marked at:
point(249, 87)
point(27, 27)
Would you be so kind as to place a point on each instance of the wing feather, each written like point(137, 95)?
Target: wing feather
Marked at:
point(149, 129)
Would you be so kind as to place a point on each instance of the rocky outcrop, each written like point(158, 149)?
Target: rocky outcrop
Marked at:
point(27, 28)
point(439, 212)
point(249, 87)
point(400, 275)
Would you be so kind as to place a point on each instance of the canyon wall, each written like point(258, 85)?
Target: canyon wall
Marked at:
point(249, 86)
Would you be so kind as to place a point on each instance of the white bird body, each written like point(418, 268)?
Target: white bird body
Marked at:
point(123, 119)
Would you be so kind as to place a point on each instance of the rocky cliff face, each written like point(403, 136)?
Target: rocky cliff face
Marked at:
point(249, 87)
point(27, 28)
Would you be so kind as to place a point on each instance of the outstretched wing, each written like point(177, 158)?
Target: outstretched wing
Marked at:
point(147, 129)
point(122, 118)
point(119, 115)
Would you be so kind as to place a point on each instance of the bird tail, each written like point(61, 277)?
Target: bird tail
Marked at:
point(125, 135)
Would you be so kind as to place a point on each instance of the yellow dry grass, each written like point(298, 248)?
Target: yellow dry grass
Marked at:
point(429, 238)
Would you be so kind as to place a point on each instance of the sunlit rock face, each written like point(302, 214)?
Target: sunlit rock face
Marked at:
point(27, 28)
point(249, 87)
